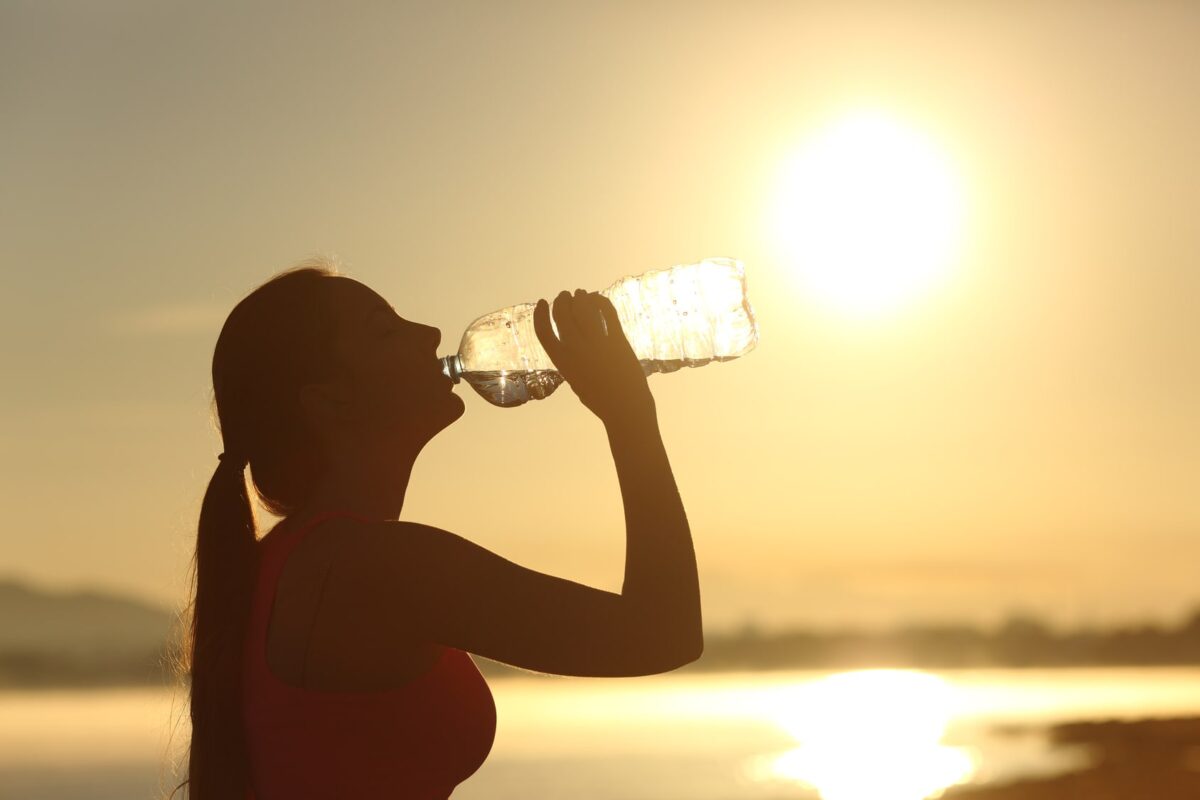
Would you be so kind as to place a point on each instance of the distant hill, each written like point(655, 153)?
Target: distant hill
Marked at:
point(78, 637)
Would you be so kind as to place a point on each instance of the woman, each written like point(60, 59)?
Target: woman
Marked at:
point(330, 657)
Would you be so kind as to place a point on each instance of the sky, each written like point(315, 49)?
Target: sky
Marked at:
point(1020, 436)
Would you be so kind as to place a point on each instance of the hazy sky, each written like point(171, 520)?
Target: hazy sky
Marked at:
point(1026, 435)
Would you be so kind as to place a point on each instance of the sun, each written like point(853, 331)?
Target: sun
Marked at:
point(870, 213)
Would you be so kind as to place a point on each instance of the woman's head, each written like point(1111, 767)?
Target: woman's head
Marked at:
point(313, 367)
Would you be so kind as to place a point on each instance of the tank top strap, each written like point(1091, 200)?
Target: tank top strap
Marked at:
point(277, 545)
point(286, 534)
point(322, 516)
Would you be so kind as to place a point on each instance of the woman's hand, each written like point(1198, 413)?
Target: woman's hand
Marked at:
point(593, 355)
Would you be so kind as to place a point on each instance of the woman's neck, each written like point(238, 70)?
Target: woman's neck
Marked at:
point(371, 490)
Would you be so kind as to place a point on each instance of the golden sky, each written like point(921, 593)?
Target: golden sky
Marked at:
point(1023, 435)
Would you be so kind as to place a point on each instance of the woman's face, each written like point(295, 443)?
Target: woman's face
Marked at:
point(392, 386)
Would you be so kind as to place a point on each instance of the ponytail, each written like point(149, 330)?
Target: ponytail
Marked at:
point(275, 339)
point(224, 567)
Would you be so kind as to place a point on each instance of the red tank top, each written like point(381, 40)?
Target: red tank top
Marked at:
point(417, 741)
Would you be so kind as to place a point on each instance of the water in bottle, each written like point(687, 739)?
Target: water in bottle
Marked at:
point(685, 316)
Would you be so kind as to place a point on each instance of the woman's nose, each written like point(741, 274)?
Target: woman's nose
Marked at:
point(436, 334)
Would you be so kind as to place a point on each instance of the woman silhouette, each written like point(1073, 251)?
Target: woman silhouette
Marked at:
point(329, 659)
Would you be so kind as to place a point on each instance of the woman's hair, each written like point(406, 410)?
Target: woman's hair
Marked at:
point(278, 338)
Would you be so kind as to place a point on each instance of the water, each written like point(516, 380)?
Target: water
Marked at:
point(509, 388)
point(873, 735)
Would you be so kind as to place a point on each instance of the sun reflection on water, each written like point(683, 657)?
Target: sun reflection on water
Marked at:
point(870, 735)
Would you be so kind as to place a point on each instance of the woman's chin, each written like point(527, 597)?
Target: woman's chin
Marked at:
point(415, 425)
point(458, 403)
point(455, 405)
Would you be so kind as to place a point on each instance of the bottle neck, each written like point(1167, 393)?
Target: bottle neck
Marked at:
point(452, 367)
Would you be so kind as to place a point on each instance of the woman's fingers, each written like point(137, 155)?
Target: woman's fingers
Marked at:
point(545, 333)
point(564, 320)
point(587, 315)
point(584, 320)
point(612, 321)
point(601, 366)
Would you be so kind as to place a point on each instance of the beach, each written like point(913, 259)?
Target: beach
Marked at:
point(1149, 759)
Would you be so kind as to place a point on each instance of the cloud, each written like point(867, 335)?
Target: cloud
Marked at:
point(171, 319)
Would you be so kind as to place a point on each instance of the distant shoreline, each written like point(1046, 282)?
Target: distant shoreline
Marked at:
point(493, 670)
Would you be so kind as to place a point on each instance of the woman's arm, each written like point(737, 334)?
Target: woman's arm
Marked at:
point(660, 562)
point(420, 581)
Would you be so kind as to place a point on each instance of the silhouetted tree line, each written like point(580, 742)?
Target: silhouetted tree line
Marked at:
point(1021, 641)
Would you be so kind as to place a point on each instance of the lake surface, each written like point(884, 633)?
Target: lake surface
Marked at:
point(864, 735)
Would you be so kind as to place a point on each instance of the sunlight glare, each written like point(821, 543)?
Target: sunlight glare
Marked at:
point(871, 735)
point(870, 212)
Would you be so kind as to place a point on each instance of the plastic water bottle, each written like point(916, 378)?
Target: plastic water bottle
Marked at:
point(684, 316)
